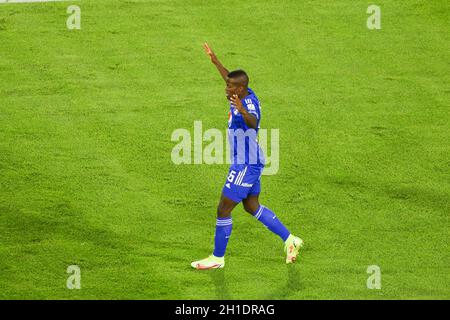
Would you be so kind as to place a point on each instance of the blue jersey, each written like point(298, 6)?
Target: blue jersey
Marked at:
point(243, 139)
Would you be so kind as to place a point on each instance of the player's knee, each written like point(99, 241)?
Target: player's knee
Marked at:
point(223, 214)
point(251, 207)
point(223, 211)
point(248, 209)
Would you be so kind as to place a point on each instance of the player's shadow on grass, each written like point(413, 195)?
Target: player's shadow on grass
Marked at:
point(218, 278)
point(293, 284)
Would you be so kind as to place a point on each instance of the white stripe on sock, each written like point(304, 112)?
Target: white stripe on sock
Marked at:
point(258, 214)
point(224, 222)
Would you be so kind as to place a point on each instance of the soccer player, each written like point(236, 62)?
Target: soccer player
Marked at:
point(247, 163)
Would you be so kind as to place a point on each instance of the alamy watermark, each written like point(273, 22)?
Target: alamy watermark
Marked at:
point(374, 280)
point(74, 280)
point(74, 20)
point(374, 20)
point(235, 147)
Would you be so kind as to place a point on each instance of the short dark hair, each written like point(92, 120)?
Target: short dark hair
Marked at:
point(239, 74)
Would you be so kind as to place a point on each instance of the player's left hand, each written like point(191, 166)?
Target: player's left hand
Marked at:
point(238, 103)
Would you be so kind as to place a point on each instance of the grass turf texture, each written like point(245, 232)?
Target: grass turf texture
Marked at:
point(86, 176)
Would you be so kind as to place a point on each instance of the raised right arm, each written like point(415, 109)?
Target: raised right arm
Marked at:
point(222, 70)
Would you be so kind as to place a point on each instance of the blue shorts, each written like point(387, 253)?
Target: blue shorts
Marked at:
point(242, 181)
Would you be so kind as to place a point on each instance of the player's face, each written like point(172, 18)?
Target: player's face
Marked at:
point(233, 87)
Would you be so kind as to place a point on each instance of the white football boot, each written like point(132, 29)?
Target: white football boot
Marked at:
point(292, 247)
point(211, 262)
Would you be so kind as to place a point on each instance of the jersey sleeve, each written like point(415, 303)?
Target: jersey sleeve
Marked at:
point(252, 107)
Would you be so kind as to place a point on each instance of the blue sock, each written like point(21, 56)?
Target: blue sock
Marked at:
point(223, 232)
point(270, 220)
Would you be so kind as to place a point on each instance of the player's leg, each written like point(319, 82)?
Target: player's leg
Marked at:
point(269, 219)
point(226, 205)
point(266, 216)
point(224, 225)
point(231, 196)
point(251, 203)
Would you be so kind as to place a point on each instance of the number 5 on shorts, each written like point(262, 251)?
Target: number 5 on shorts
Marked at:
point(231, 176)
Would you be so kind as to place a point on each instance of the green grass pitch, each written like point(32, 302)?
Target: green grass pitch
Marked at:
point(86, 176)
